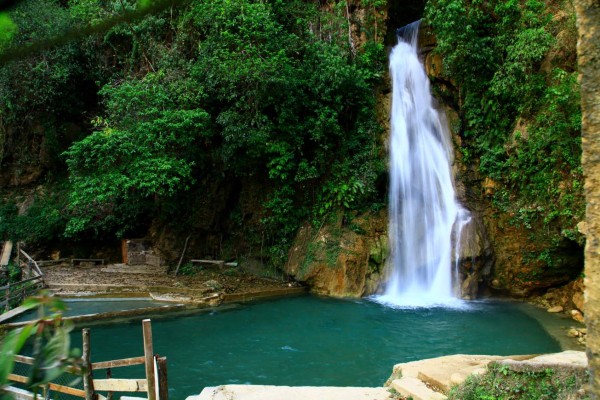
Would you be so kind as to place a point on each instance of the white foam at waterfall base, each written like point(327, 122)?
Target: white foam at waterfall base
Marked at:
point(423, 209)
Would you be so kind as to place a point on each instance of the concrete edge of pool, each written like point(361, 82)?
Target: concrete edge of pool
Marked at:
point(412, 379)
point(180, 304)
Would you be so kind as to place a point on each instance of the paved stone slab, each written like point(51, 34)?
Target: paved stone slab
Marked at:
point(569, 360)
point(447, 371)
point(259, 392)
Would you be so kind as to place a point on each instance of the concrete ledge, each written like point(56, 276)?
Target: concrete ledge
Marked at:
point(260, 392)
point(125, 314)
point(264, 294)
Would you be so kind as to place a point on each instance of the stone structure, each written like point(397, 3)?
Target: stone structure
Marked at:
point(139, 252)
point(588, 51)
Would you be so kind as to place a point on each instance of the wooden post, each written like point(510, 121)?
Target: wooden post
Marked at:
point(163, 386)
point(18, 254)
point(88, 381)
point(7, 307)
point(149, 358)
point(109, 395)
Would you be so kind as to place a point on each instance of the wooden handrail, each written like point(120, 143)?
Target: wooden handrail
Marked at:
point(24, 359)
point(52, 386)
point(37, 268)
point(125, 362)
point(35, 278)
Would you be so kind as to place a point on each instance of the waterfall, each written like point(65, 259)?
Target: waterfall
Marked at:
point(424, 215)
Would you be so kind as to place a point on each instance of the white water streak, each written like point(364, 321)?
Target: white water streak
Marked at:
point(423, 206)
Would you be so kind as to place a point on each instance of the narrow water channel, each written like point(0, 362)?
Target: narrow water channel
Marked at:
point(316, 341)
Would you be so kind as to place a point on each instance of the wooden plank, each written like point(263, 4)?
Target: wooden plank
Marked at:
point(66, 390)
point(24, 359)
point(149, 359)
point(17, 378)
point(125, 362)
point(121, 385)
point(52, 386)
point(215, 262)
point(18, 394)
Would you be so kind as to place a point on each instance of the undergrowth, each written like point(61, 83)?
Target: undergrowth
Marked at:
point(501, 382)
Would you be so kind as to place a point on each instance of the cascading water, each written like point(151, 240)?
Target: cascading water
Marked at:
point(424, 212)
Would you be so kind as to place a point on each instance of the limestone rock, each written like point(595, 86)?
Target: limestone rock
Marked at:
point(573, 333)
point(341, 259)
point(578, 300)
point(456, 378)
point(555, 309)
point(577, 316)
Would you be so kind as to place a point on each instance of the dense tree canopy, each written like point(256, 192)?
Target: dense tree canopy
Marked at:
point(203, 90)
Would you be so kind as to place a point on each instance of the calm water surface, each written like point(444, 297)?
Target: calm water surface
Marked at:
point(316, 341)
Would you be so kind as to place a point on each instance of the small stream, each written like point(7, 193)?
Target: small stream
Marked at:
point(317, 341)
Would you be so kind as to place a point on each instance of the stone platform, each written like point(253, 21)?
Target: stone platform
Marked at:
point(428, 379)
point(259, 392)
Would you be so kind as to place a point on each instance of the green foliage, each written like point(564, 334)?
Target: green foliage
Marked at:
point(7, 29)
point(44, 220)
point(501, 382)
point(221, 90)
point(519, 108)
point(116, 173)
point(50, 338)
point(206, 92)
point(40, 83)
point(189, 269)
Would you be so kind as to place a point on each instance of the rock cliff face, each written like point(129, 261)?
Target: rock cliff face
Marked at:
point(497, 255)
point(514, 259)
point(341, 258)
point(588, 49)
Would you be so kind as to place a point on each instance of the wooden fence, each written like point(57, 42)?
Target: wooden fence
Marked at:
point(154, 383)
point(14, 293)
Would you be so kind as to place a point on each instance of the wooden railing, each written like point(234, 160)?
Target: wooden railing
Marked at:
point(29, 265)
point(14, 293)
point(154, 384)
